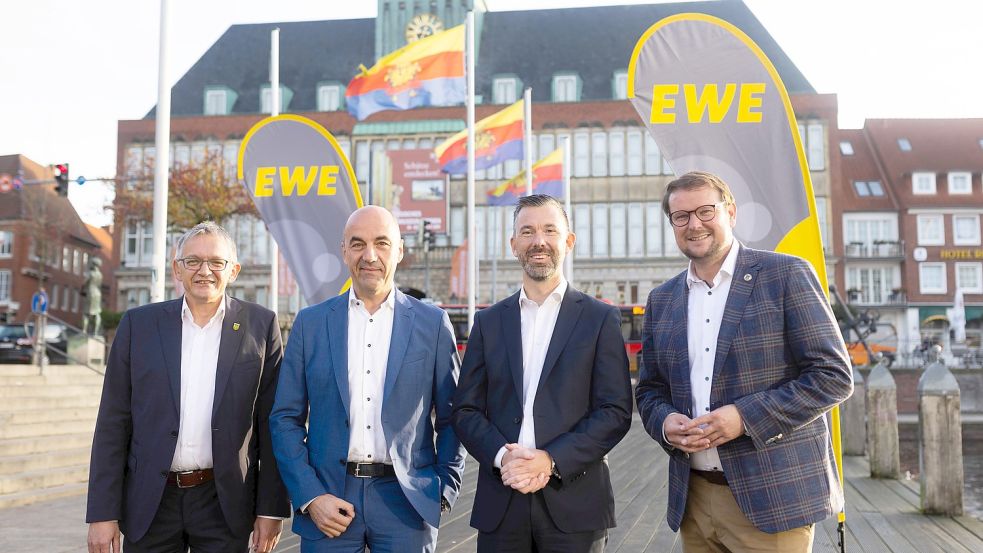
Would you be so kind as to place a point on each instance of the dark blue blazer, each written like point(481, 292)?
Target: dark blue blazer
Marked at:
point(137, 426)
point(582, 408)
point(311, 413)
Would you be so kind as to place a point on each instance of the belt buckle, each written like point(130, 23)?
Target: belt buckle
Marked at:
point(358, 471)
point(178, 475)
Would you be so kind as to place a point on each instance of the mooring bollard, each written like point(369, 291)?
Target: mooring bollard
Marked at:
point(852, 413)
point(882, 423)
point(940, 443)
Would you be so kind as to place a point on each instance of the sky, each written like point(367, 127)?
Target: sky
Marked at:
point(70, 70)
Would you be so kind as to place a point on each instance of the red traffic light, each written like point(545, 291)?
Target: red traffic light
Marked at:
point(61, 169)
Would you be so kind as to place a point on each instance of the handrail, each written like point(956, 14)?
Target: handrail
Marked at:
point(67, 356)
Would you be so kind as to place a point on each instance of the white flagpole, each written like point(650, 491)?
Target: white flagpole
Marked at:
point(568, 270)
point(274, 111)
point(162, 143)
point(527, 136)
point(472, 227)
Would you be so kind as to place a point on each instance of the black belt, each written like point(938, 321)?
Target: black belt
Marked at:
point(370, 470)
point(711, 476)
point(190, 478)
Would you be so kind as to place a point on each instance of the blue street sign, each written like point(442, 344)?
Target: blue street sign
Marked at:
point(80, 180)
point(39, 302)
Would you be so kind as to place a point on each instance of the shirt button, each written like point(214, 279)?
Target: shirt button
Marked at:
point(706, 408)
point(370, 320)
point(710, 293)
point(370, 455)
point(707, 349)
point(368, 399)
point(707, 378)
point(370, 345)
point(368, 372)
point(708, 320)
point(369, 427)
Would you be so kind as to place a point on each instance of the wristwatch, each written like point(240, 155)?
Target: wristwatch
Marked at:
point(553, 472)
point(444, 505)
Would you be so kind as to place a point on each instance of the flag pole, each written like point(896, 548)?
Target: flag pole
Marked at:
point(527, 135)
point(472, 239)
point(162, 144)
point(274, 298)
point(568, 270)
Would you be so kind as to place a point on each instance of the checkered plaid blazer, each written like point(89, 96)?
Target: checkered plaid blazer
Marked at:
point(781, 361)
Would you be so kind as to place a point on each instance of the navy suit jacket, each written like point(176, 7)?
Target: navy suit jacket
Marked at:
point(781, 361)
point(582, 408)
point(137, 426)
point(421, 376)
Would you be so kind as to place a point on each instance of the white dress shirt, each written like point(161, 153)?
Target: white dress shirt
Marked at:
point(368, 356)
point(537, 324)
point(199, 361)
point(705, 313)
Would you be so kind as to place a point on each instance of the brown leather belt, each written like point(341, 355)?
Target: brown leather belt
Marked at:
point(190, 478)
point(711, 476)
point(370, 470)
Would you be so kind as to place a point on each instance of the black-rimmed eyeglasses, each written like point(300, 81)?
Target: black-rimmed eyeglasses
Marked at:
point(705, 213)
point(193, 263)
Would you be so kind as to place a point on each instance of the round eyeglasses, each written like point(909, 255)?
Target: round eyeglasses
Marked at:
point(193, 263)
point(705, 213)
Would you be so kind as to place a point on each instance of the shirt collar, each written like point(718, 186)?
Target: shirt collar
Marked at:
point(187, 315)
point(354, 301)
point(730, 263)
point(557, 293)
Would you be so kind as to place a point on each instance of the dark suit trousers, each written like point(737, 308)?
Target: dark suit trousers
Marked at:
point(188, 517)
point(528, 528)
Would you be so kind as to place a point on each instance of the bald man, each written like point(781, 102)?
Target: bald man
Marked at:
point(351, 424)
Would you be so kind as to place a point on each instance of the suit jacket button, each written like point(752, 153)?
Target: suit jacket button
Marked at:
point(163, 473)
point(517, 420)
point(174, 433)
point(342, 461)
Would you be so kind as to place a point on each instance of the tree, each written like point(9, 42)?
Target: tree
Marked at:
point(200, 190)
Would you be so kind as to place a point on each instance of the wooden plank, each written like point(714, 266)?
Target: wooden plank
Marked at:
point(895, 541)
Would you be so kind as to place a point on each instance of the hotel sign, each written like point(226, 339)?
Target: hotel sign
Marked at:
point(961, 253)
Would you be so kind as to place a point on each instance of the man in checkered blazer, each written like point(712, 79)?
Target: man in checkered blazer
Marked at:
point(742, 358)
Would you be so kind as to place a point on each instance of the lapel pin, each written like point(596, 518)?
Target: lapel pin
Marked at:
point(235, 326)
point(747, 277)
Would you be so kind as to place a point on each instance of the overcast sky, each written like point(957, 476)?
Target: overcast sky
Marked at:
point(70, 70)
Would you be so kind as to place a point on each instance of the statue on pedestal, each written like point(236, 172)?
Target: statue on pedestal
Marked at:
point(92, 298)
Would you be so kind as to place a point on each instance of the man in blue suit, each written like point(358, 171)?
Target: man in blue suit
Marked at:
point(741, 359)
point(544, 396)
point(352, 428)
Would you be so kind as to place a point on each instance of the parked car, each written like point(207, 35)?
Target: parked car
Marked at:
point(17, 343)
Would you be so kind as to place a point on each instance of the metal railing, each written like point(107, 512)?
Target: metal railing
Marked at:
point(875, 250)
point(68, 327)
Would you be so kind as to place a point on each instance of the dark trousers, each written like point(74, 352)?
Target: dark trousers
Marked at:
point(528, 528)
point(188, 518)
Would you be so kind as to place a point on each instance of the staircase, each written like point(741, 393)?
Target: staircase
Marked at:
point(46, 425)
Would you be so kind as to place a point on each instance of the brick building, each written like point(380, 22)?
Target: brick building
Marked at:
point(575, 60)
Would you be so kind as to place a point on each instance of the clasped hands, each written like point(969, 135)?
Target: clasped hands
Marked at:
point(712, 429)
point(525, 469)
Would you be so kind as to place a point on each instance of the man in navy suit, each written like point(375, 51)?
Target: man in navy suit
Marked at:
point(741, 359)
point(352, 425)
point(181, 455)
point(544, 396)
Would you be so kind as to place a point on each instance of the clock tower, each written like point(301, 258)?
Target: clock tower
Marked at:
point(399, 22)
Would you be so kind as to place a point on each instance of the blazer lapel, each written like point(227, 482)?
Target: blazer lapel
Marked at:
point(566, 320)
point(679, 342)
point(512, 331)
point(169, 329)
point(228, 348)
point(337, 329)
point(741, 284)
point(399, 340)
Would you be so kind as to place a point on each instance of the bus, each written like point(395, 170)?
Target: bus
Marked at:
point(632, 317)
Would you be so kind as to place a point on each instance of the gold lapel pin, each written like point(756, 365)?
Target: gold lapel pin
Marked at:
point(235, 326)
point(747, 277)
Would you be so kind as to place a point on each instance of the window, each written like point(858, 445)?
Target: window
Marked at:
point(930, 232)
point(969, 277)
point(875, 284)
point(621, 85)
point(816, 151)
point(565, 88)
point(53, 302)
point(821, 214)
point(672, 248)
point(960, 182)
point(66, 294)
point(5, 284)
point(866, 229)
point(77, 262)
point(904, 145)
point(653, 159)
point(875, 188)
point(618, 224)
point(635, 155)
point(846, 148)
point(653, 229)
point(599, 154)
point(216, 101)
point(66, 259)
point(458, 231)
point(636, 230)
point(581, 225)
point(6, 243)
point(362, 160)
point(547, 143)
point(966, 230)
point(138, 241)
point(861, 188)
point(616, 150)
point(931, 277)
point(75, 301)
point(581, 154)
point(923, 183)
point(505, 90)
point(329, 97)
point(266, 98)
point(600, 227)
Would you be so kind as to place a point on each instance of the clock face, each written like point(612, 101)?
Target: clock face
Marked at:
point(422, 26)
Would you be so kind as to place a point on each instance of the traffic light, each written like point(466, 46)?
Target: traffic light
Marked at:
point(428, 237)
point(61, 179)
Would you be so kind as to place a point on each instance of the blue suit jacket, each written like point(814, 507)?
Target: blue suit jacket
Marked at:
point(421, 377)
point(582, 408)
point(780, 359)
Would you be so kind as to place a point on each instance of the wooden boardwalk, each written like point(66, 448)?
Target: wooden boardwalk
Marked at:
point(882, 515)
